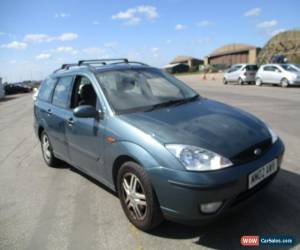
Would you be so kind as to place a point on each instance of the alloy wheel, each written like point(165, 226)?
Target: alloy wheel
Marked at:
point(134, 196)
point(284, 83)
point(46, 148)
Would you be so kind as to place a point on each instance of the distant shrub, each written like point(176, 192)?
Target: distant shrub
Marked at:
point(194, 69)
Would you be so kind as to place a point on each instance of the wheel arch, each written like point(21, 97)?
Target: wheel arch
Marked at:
point(284, 78)
point(128, 151)
point(117, 164)
point(40, 130)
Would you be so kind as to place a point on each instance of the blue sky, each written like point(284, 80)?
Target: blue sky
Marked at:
point(38, 36)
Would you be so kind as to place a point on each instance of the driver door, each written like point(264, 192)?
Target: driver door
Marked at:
point(85, 135)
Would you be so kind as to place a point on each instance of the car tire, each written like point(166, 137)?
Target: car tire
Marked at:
point(240, 81)
point(284, 83)
point(225, 81)
point(258, 82)
point(47, 151)
point(137, 197)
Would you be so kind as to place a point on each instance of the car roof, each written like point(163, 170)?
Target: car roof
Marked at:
point(71, 69)
point(238, 64)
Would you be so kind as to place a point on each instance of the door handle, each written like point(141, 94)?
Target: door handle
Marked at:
point(70, 122)
point(49, 112)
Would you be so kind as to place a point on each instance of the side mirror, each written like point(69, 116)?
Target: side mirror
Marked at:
point(86, 111)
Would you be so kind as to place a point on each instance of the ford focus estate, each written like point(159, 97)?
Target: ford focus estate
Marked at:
point(167, 152)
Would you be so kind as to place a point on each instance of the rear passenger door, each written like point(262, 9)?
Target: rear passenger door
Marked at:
point(42, 107)
point(276, 75)
point(266, 74)
point(58, 114)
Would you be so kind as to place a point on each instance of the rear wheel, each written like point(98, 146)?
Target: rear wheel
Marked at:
point(240, 81)
point(137, 197)
point(258, 82)
point(47, 150)
point(284, 83)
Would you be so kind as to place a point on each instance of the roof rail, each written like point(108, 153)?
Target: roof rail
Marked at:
point(68, 65)
point(88, 63)
point(102, 61)
point(134, 62)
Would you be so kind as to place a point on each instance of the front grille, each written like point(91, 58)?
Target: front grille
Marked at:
point(248, 154)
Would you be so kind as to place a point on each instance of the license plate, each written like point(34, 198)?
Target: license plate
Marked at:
point(262, 173)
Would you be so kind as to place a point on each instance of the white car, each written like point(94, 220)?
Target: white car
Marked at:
point(241, 73)
point(36, 92)
point(280, 74)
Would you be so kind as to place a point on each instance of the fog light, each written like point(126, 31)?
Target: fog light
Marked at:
point(211, 207)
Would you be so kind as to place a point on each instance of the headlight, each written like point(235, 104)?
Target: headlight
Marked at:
point(198, 159)
point(273, 135)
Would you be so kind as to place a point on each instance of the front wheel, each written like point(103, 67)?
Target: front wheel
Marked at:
point(137, 197)
point(284, 83)
point(225, 81)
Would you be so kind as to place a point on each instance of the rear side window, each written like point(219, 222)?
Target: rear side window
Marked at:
point(62, 92)
point(268, 68)
point(46, 89)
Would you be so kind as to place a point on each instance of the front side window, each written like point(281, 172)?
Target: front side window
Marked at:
point(276, 69)
point(46, 89)
point(140, 89)
point(62, 92)
point(83, 93)
point(235, 68)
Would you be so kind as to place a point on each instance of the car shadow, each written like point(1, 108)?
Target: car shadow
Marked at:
point(64, 165)
point(273, 211)
point(8, 98)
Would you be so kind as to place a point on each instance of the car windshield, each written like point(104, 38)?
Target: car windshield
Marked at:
point(132, 90)
point(289, 67)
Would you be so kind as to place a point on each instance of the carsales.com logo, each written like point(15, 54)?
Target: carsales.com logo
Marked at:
point(250, 241)
point(271, 240)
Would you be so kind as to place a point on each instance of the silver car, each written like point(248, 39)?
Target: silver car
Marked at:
point(241, 73)
point(280, 74)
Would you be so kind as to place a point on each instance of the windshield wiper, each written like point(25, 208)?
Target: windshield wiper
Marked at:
point(185, 100)
point(175, 102)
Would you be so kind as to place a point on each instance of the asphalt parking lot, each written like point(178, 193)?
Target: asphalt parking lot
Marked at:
point(60, 208)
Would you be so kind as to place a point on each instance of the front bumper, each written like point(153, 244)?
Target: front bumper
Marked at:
point(295, 82)
point(181, 193)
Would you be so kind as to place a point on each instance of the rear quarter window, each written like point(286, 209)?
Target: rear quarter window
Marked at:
point(46, 89)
